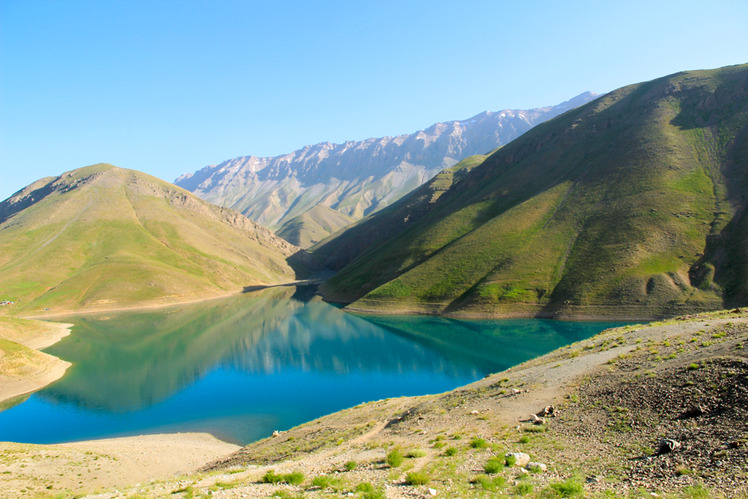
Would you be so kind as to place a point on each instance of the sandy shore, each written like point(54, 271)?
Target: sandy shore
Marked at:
point(91, 466)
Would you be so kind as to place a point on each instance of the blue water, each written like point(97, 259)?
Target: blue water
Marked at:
point(242, 367)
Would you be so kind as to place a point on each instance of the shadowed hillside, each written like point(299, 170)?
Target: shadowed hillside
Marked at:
point(632, 205)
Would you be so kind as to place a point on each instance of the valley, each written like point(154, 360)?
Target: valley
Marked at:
point(438, 340)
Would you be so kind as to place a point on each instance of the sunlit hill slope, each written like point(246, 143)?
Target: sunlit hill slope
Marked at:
point(102, 236)
point(632, 205)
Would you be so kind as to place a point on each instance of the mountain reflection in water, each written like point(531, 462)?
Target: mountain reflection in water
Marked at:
point(243, 366)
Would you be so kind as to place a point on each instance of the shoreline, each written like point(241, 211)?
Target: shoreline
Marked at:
point(29, 369)
point(155, 304)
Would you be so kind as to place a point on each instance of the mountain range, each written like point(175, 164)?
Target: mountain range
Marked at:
point(633, 205)
point(356, 178)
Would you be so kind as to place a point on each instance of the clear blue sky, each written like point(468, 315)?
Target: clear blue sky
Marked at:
point(167, 87)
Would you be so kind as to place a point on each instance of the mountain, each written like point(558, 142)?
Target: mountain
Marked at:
point(313, 225)
point(357, 178)
point(633, 205)
point(103, 236)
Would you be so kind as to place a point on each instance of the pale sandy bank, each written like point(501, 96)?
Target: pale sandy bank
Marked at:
point(87, 467)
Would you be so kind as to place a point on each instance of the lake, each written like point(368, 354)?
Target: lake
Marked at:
point(244, 366)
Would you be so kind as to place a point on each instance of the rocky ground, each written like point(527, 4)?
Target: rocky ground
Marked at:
point(615, 397)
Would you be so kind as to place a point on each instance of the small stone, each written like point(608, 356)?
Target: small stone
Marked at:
point(536, 467)
point(520, 458)
point(594, 479)
point(694, 411)
point(667, 445)
point(474, 413)
point(432, 492)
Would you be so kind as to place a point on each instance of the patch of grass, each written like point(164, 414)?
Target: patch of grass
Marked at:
point(450, 451)
point(350, 465)
point(478, 443)
point(294, 478)
point(683, 470)
point(325, 482)
point(693, 366)
point(524, 439)
point(488, 483)
point(568, 488)
point(695, 492)
point(271, 477)
point(394, 458)
point(415, 453)
point(536, 428)
point(495, 465)
point(417, 478)
point(523, 488)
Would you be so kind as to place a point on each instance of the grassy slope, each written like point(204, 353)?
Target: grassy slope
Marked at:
point(313, 225)
point(606, 209)
point(102, 235)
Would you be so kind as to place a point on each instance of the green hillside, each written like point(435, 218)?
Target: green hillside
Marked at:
point(103, 236)
point(632, 205)
point(313, 225)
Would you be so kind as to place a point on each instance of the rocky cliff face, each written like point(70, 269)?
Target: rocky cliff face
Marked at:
point(357, 178)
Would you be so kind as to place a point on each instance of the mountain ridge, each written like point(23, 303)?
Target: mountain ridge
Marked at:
point(356, 178)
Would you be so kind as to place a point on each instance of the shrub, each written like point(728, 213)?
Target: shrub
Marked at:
point(568, 488)
point(364, 487)
point(494, 465)
point(350, 465)
point(523, 488)
point(416, 478)
point(510, 460)
point(323, 481)
point(524, 439)
point(450, 451)
point(488, 483)
point(414, 453)
point(271, 477)
point(394, 458)
point(295, 478)
point(478, 443)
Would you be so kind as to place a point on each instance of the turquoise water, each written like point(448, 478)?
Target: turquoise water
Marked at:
point(245, 366)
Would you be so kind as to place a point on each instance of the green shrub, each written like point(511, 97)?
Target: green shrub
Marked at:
point(350, 465)
point(323, 481)
point(394, 458)
point(364, 487)
point(271, 477)
point(510, 460)
point(478, 443)
point(524, 439)
point(489, 483)
point(450, 451)
point(494, 465)
point(415, 453)
point(523, 488)
point(568, 488)
point(417, 478)
point(295, 478)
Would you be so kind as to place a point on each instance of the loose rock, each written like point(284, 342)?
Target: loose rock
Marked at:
point(520, 458)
